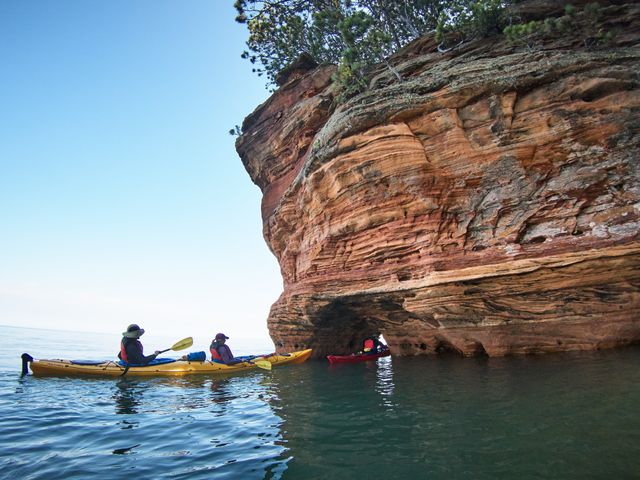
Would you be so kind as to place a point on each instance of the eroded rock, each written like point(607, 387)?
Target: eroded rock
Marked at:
point(488, 204)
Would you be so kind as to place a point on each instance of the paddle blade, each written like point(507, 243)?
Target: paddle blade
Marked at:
point(182, 344)
point(263, 364)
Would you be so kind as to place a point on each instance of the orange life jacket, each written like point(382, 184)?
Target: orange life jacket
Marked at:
point(368, 345)
point(214, 353)
point(123, 352)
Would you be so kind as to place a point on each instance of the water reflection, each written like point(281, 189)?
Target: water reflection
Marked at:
point(186, 393)
point(339, 409)
point(221, 392)
point(22, 383)
point(127, 397)
point(124, 451)
point(385, 386)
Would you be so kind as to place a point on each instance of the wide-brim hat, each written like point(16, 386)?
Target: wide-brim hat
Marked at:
point(133, 331)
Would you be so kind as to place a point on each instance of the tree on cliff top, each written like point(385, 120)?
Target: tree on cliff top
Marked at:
point(353, 34)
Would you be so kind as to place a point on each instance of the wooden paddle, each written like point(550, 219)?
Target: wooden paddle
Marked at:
point(181, 345)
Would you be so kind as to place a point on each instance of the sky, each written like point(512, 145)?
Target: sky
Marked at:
point(122, 198)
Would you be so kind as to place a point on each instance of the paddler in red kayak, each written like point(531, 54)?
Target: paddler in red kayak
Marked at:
point(131, 348)
point(372, 345)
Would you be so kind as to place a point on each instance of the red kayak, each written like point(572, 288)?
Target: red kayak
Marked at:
point(356, 358)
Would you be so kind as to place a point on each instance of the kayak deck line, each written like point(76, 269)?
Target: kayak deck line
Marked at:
point(109, 368)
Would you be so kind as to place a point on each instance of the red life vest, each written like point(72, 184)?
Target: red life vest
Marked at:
point(368, 345)
point(123, 352)
point(214, 354)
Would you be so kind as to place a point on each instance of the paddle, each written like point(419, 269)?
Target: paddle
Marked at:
point(265, 364)
point(181, 345)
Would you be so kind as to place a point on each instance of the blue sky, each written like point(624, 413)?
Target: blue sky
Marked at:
point(122, 198)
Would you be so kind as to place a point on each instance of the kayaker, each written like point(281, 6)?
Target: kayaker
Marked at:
point(372, 345)
point(221, 352)
point(131, 348)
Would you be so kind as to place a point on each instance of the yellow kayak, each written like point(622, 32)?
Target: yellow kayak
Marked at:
point(161, 367)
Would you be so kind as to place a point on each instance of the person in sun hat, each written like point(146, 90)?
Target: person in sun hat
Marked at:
point(131, 348)
point(220, 352)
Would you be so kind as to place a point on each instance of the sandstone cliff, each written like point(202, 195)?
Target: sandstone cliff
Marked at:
point(487, 204)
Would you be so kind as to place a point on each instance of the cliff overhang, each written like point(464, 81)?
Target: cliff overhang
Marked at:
point(487, 204)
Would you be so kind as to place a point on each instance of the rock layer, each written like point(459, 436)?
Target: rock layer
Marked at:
point(487, 204)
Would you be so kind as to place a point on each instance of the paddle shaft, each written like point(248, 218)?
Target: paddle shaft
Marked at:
point(181, 345)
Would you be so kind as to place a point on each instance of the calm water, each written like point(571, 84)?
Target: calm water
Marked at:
point(556, 416)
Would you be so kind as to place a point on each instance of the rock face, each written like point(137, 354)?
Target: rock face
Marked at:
point(487, 204)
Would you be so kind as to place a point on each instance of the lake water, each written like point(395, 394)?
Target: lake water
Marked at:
point(556, 416)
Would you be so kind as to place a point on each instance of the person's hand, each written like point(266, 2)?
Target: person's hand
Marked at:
point(157, 352)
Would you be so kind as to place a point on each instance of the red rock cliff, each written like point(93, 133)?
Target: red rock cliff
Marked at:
point(487, 204)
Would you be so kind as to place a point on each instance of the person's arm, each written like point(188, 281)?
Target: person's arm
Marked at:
point(148, 358)
point(225, 353)
point(227, 356)
point(135, 354)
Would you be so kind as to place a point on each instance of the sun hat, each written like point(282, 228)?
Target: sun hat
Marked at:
point(133, 331)
point(220, 336)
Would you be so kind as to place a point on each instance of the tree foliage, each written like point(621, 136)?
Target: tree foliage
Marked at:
point(353, 34)
point(586, 22)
